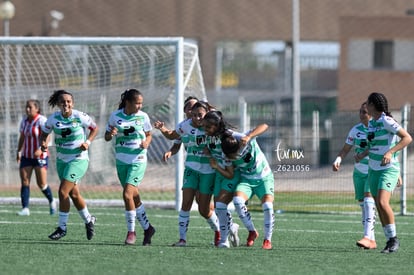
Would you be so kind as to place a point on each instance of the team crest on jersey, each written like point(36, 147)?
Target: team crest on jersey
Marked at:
point(138, 122)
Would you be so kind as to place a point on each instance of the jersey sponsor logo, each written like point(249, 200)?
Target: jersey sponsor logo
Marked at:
point(66, 132)
point(360, 135)
point(212, 146)
point(128, 130)
point(371, 136)
point(200, 139)
point(363, 143)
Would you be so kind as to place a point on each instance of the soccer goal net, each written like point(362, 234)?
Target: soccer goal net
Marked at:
point(96, 71)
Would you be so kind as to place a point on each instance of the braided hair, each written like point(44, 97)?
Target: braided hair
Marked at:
point(380, 102)
point(128, 95)
point(54, 98)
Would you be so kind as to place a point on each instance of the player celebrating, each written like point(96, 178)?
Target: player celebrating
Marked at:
point(256, 178)
point(215, 126)
point(357, 137)
point(385, 139)
point(72, 144)
point(132, 129)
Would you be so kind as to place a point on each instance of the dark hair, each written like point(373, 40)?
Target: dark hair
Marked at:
point(229, 144)
point(54, 98)
point(188, 99)
point(36, 103)
point(128, 95)
point(216, 118)
point(380, 103)
point(202, 104)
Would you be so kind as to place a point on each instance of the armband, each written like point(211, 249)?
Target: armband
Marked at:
point(88, 142)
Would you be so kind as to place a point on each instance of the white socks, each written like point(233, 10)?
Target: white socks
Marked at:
point(244, 215)
point(369, 218)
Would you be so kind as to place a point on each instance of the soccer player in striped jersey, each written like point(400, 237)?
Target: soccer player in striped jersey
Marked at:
point(215, 126)
point(386, 138)
point(30, 157)
point(256, 178)
point(198, 175)
point(70, 128)
point(131, 128)
point(357, 137)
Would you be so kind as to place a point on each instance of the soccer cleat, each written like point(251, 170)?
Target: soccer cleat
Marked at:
point(180, 243)
point(267, 245)
point(59, 233)
point(216, 238)
point(90, 228)
point(225, 244)
point(234, 235)
point(252, 237)
point(24, 212)
point(366, 243)
point(52, 207)
point(148, 235)
point(392, 245)
point(130, 238)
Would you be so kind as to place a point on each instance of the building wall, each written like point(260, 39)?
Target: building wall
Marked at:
point(206, 21)
point(358, 78)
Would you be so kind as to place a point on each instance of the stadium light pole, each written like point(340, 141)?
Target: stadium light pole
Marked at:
point(6, 13)
point(296, 72)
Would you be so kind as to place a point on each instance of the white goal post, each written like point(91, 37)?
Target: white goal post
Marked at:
point(97, 70)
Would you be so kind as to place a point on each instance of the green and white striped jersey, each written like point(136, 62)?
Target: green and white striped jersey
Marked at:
point(194, 140)
point(357, 137)
point(214, 146)
point(70, 133)
point(131, 133)
point(382, 136)
point(251, 162)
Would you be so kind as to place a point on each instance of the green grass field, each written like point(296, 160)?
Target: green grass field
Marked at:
point(303, 243)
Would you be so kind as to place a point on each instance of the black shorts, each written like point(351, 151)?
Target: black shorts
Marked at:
point(24, 162)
